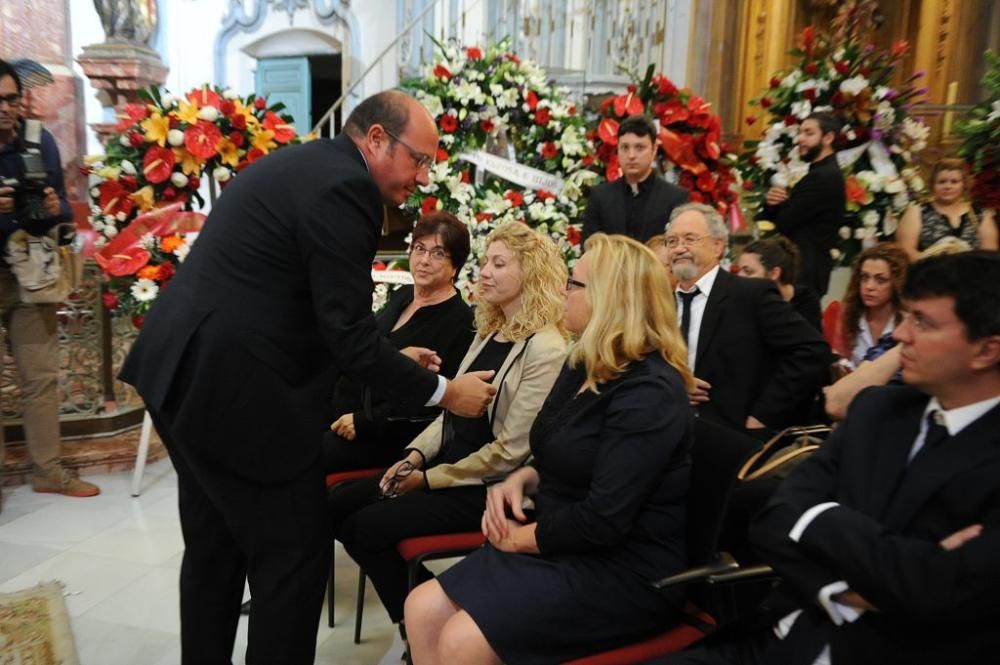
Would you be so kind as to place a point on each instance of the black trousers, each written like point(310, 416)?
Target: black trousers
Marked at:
point(368, 452)
point(369, 528)
point(275, 536)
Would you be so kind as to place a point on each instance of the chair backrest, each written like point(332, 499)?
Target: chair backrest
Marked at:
point(717, 454)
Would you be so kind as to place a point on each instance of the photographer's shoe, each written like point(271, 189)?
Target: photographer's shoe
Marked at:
point(60, 481)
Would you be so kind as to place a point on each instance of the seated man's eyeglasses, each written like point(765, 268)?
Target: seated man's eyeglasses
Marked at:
point(424, 161)
point(437, 254)
point(11, 99)
point(687, 240)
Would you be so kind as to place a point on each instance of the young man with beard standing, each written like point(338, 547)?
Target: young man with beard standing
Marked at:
point(813, 211)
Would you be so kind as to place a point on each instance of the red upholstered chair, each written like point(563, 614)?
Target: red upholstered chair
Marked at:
point(833, 329)
point(716, 456)
point(332, 480)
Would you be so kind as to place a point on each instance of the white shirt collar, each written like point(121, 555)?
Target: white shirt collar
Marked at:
point(706, 282)
point(958, 419)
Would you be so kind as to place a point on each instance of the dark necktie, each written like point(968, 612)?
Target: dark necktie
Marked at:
point(937, 433)
point(686, 298)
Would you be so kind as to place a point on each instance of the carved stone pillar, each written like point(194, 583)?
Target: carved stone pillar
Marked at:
point(119, 70)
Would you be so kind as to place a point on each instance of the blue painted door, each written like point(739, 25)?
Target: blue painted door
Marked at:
point(287, 80)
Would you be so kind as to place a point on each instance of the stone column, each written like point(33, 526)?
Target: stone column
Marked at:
point(119, 70)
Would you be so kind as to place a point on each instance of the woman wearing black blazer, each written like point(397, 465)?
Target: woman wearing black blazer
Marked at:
point(608, 482)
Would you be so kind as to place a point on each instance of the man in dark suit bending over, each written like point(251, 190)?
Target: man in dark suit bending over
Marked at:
point(757, 363)
point(813, 212)
point(887, 539)
point(639, 203)
point(238, 358)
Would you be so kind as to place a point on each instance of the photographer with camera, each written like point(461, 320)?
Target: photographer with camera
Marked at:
point(32, 207)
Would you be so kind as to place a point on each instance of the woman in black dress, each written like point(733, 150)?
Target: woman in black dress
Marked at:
point(777, 259)
point(608, 481)
point(430, 314)
point(438, 485)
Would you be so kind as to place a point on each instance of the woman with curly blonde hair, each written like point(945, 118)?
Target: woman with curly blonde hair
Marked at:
point(609, 481)
point(438, 486)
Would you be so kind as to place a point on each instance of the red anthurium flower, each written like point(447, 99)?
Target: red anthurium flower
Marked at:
point(664, 86)
point(114, 198)
point(515, 198)
point(205, 97)
point(254, 154)
point(674, 112)
point(607, 131)
point(531, 100)
point(126, 262)
point(158, 164)
point(612, 170)
point(448, 123)
point(542, 117)
point(473, 53)
point(706, 181)
point(429, 205)
point(237, 138)
point(201, 139)
point(110, 300)
point(239, 122)
point(442, 72)
point(283, 132)
point(132, 114)
point(465, 177)
point(549, 150)
point(129, 182)
point(628, 104)
point(572, 235)
point(899, 48)
point(587, 160)
point(136, 139)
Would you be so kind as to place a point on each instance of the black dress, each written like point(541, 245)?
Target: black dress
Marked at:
point(610, 508)
point(381, 434)
point(935, 225)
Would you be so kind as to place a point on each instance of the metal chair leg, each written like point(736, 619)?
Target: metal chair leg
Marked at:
point(329, 592)
point(359, 610)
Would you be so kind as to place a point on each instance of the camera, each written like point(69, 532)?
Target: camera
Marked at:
point(29, 188)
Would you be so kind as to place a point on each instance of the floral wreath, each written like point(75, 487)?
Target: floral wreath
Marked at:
point(497, 114)
point(981, 132)
point(151, 175)
point(689, 138)
point(878, 142)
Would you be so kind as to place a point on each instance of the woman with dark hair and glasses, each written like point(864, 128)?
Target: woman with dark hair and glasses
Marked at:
point(430, 314)
point(608, 480)
point(439, 484)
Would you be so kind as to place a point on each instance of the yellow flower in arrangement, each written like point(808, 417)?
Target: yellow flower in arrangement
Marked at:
point(241, 109)
point(187, 112)
point(264, 141)
point(228, 152)
point(155, 128)
point(144, 198)
point(190, 164)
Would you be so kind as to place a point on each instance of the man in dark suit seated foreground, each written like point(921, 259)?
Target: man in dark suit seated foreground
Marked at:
point(238, 359)
point(887, 539)
point(757, 363)
point(639, 203)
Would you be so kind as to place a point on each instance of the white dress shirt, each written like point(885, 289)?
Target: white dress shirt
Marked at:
point(866, 340)
point(698, 304)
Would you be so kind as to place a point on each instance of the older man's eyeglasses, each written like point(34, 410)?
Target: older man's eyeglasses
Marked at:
point(11, 99)
point(423, 160)
point(436, 254)
point(391, 489)
point(687, 240)
point(573, 284)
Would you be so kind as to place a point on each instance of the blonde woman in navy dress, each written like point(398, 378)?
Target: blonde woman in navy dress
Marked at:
point(608, 482)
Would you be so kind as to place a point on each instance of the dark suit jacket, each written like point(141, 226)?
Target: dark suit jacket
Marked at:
point(935, 606)
point(611, 204)
point(761, 357)
point(811, 218)
point(240, 353)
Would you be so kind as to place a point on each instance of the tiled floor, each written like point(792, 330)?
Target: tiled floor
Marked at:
point(119, 558)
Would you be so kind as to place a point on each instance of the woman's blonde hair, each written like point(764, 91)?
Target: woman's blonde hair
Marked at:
point(632, 311)
point(543, 275)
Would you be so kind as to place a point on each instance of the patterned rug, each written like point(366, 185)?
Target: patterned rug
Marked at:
point(34, 627)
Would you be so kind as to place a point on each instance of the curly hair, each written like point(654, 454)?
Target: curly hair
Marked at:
point(632, 311)
point(854, 308)
point(543, 276)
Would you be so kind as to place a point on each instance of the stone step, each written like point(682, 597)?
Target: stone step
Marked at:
point(84, 456)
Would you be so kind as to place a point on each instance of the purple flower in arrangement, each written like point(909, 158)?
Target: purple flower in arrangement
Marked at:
point(891, 94)
point(916, 75)
point(876, 134)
